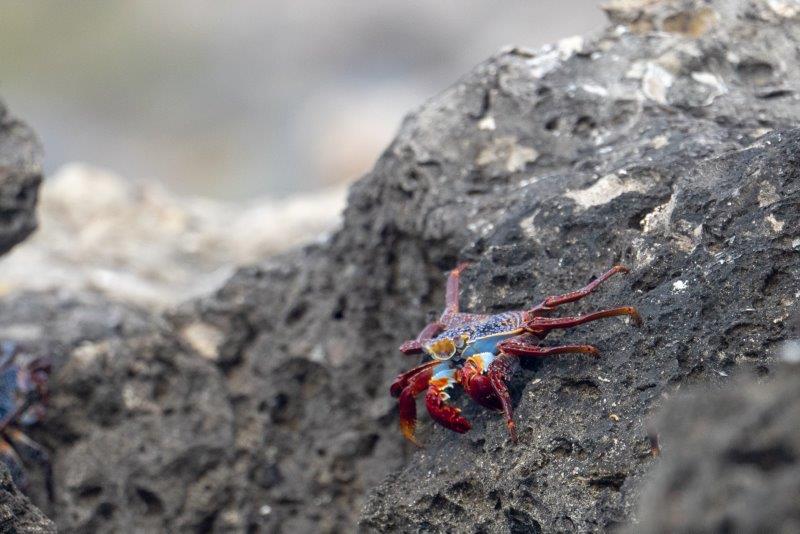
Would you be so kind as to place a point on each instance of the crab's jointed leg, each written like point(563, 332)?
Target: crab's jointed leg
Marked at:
point(32, 452)
point(557, 300)
point(402, 380)
point(12, 460)
point(407, 402)
point(541, 325)
point(451, 294)
point(500, 370)
point(518, 347)
point(449, 315)
point(436, 399)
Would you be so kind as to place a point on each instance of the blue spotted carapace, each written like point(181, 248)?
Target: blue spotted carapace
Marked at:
point(481, 352)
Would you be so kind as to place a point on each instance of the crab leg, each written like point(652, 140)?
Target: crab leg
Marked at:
point(407, 402)
point(436, 400)
point(572, 296)
point(540, 325)
point(500, 370)
point(451, 294)
point(414, 346)
point(12, 460)
point(33, 452)
point(403, 379)
point(518, 347)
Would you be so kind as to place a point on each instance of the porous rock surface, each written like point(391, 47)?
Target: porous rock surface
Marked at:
point(666, 143)
point(731, 460)
point(20, 175)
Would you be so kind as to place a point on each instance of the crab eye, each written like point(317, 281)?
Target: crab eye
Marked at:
point(441, 349)
point(460, 342)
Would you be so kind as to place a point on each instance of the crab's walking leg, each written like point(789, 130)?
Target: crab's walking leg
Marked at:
point(403, 379)
point(500, 370)
point(436, 400)
point(33, 452)
point(12, 460)
point(572, 296)
point(451, 295)
point(518, 347)
point(414, 346)
point(537, 324)
point(407, 402)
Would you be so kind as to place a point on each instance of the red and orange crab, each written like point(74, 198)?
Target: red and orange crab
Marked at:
point(481, 353)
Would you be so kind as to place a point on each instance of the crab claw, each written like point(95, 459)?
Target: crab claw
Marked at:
point(444, 414)
point(407, 405)
point(404, 379)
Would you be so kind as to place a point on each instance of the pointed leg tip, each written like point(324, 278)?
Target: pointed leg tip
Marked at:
point(635, 317)
point(621, 269)
point(512, 431)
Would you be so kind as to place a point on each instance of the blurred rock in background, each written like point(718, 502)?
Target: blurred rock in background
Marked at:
point(253, 98)
point(139, 243)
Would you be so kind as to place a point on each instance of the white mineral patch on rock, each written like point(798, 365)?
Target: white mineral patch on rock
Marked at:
point(509, 153)
point(774, 223)
point(204, 338)
point(604, 190)
point(656, 81)
point(785, 8)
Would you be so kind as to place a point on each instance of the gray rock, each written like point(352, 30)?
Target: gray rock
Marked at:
point(20, 176)
point(17, 514)
point(731, 460)
point(265, 406)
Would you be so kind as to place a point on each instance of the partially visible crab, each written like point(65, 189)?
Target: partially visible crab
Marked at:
point(481, 353)
point(23, 396)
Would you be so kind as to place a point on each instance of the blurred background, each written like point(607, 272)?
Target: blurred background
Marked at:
point(236, 100)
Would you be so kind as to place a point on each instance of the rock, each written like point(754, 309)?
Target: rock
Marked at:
point(731, 459)
point(20, 175)
point(17, 514)
point(139, 243)
point(264, 406)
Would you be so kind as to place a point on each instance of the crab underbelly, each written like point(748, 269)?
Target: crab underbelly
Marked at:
point(486, 344)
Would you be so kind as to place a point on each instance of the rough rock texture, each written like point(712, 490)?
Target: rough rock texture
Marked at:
point(20, 175)
point(17, 514)
point(731, 461)
point(264, 406)
point(139, 243)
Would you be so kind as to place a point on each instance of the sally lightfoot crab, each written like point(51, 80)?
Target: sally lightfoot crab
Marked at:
point(23, 395)
point(481, 352)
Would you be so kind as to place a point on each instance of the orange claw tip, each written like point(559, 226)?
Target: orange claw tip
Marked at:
point(407, 428)
point(460, 267)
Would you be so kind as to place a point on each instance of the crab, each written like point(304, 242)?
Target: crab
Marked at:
point(481, 352)
point(23, 397)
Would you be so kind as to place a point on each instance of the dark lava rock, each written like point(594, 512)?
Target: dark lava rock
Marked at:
point(265, 406)
point(731, 460)
point(17, 514)
point(20, 176)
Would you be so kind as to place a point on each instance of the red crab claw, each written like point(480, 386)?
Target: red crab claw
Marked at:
point(441, 412)
point(477, 385)
point(403, 379)
point(408, 405)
